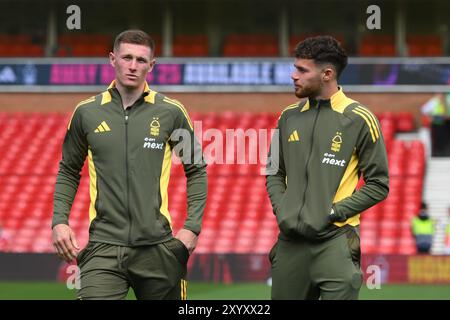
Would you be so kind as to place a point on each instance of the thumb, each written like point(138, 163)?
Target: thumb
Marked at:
point(74, 240)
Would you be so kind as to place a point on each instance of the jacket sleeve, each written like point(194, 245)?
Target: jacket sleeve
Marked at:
point(188, 149)
point(275, 170)
point(373, 164)
point(74, 151)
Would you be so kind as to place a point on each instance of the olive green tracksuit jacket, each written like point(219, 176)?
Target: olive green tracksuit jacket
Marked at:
point(129, 155)
point(323, 148)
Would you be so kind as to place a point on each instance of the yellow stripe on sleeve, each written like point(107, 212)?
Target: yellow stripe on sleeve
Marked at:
point(372, 119)
point(368, 123)
point(91, 99)
point(181, 107)
point(183, 286)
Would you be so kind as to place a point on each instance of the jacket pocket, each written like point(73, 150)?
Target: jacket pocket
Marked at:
point(280, 203)
point(84, 253)
point(178, 249)
point(273, 252)
point(354, 246)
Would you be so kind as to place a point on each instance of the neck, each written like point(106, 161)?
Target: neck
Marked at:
point(327, 91)
point(129, 95)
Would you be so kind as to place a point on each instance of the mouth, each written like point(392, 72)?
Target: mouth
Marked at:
point(131, 76)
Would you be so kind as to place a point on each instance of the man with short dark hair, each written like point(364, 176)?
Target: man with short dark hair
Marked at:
point(323, 145)
point(128, 134)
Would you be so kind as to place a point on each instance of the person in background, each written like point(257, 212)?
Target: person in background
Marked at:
point(447, 234)
point(437, 110)
point(423, 230)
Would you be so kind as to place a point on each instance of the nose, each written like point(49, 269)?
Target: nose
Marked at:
point(294, 75)
point(132, 65)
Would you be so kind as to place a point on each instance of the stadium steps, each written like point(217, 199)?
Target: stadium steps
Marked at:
point(437, 189)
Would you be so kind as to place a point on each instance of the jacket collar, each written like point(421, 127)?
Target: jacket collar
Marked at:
point(147, 94)
point(338, 101)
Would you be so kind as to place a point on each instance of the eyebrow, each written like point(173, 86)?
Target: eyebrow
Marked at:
point(129, 55)
point(300, 68)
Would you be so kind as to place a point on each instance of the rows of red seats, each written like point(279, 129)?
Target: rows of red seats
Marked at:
point(386, 227)
point(417, 46)
point(250, 45)
point(235, 45)
point(20, 45)
point(238, 216)
point(190, 46)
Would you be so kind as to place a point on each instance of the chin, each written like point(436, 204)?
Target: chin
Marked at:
point(130, 84)
point(300, 94)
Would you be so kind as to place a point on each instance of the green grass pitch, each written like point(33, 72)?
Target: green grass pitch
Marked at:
point(215, 291)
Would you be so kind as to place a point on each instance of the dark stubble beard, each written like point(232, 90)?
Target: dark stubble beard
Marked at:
point(312, 91)
point(306, 93)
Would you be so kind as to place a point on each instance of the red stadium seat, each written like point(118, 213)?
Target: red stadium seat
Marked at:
point(238, 216)
point(405, 121)
point(190, 46)
point(377, 45)
point(424, 46)
point(250, 45)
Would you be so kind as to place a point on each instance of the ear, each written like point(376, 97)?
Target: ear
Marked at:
point(328, 74)
point(112, 59)
point(152, 64)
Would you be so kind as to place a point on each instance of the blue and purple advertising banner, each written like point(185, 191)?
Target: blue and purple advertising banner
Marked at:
point(222, 73)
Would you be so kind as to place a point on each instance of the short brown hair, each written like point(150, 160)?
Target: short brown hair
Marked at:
point(135, 36)
point(323, 49)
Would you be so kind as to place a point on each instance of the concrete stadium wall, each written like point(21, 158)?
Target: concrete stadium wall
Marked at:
point(29, 266)
point(229, 268)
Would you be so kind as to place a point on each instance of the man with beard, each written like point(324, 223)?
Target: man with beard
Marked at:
point(324, 144)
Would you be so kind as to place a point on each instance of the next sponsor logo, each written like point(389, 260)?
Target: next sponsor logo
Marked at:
point(329, 158)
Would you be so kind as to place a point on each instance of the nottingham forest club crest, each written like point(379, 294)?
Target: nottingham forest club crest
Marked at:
point(154, 127)
point(336, 142)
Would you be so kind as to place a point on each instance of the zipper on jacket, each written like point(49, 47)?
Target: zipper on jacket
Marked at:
point(307, 165)
point(126, 112)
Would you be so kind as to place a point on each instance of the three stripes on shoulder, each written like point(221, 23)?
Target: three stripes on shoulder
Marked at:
point(371, 121)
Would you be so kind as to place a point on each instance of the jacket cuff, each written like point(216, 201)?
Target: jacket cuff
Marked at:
point(194, 230)
point(336, 216)
point(57, 221)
